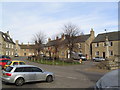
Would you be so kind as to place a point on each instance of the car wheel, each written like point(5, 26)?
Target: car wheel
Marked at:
point(19, 82)
point(49, 78)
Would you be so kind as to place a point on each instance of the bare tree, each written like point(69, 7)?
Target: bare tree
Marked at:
point(71, 31)
point(39, 39)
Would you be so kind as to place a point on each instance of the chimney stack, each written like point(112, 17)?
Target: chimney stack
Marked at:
point(28, 44)
point(49, 39)
point(17, 42)
point(92, 32)
point(57, 38)
point(7, 33)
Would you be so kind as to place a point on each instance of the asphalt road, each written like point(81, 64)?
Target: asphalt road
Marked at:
point(74, 76)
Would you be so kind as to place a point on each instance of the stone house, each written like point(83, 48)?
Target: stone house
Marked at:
point(7, 45)
point(106, 45)
point(25, 49)
point(58, 46)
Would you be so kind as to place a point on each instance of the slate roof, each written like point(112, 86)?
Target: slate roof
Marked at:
point(53, 42)
point(81, 38)
point(6, 37)
point(26, 46)
point(112, 36)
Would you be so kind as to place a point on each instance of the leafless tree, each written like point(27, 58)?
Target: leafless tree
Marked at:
point(39, 39)
point(71, 31)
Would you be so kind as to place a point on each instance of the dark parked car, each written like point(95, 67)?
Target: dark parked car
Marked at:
point(98, 59)
point(109, 81)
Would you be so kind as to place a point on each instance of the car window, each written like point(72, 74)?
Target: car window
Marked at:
point(8, 69)
point(4, 60)
point(15, 63)
point(21, 63)
point(35, 69)
point(27, 69)
point(19, 69)
point(8, 63)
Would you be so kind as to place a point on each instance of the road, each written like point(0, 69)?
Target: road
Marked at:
point(73, 76)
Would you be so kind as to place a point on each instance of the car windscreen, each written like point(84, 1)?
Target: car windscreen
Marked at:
point(8, 63)
point(4, 60)
point(8, 69)
point(5, 57)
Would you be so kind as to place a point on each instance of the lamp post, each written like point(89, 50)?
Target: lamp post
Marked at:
point(107, 45)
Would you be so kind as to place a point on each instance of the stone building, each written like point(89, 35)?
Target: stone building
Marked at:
point(106, 45)
point(7, 46)
point(58, 47)
point(25, 49)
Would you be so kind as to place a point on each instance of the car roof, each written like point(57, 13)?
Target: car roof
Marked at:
point(24, 66)
point(17, 61)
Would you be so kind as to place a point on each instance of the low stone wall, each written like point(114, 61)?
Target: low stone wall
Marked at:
point(110, 64)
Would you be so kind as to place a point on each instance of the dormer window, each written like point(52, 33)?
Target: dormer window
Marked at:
point(4, 36)
point(8, 38)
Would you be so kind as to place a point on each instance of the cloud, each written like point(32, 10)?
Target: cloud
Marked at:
point(24, 23)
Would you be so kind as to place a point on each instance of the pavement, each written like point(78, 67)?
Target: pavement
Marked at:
point(70, 76)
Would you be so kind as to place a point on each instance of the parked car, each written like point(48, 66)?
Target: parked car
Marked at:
point(109, 81)
point(16, 55)
point(20, 74)
point(83, 57)
point(15, 62)
point(98, 59)
point(78, 56)
point(3, 57)
point(3, 60)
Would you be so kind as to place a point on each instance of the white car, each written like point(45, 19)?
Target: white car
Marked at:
point(98, 59)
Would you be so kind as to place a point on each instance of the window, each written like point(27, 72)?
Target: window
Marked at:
point(4, 60)
point(15, 63)
point(97, 45)
point(22, 63)
point(4, 36)
point(79, 45)
point(111, 53)
point(12, 53)
point(27, 69)
point(8, 63)
point(7, 45)
point(12, 46)
point(104, 44)
point(97, 53)
point(35, 69)
point(7, 52)
point(110, 43)
point(19, 69)
point(8, 69)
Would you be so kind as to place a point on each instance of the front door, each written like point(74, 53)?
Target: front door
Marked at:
point(103, 54)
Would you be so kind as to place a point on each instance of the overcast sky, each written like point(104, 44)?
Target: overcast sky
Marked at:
point(24, 19)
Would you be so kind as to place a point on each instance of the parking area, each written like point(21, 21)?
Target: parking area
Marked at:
point(71, 76)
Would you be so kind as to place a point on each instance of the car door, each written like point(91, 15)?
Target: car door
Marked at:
point(28, 74)
point(40, 75)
